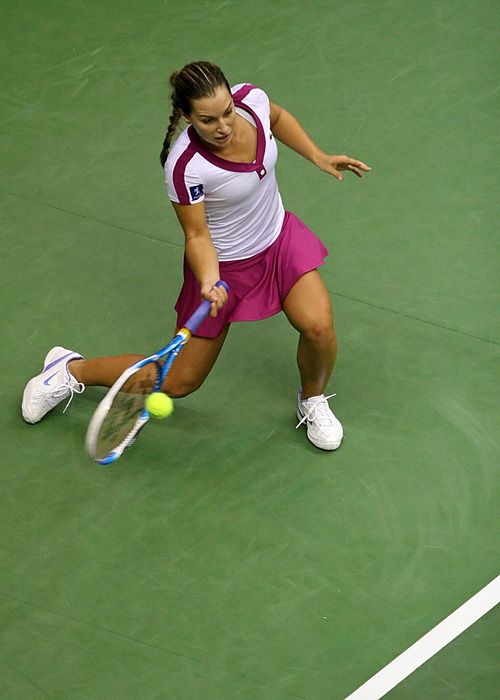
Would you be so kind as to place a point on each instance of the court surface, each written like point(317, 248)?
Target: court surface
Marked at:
point(224, 557)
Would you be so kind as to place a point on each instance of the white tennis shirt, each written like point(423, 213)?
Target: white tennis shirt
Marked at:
point(242, 202)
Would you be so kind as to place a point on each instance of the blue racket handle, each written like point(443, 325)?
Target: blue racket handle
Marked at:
point(202, 311)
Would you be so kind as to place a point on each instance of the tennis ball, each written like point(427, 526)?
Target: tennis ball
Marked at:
point(159, 405)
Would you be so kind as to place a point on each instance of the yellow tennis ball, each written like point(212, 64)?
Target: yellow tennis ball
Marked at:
point(159, 405)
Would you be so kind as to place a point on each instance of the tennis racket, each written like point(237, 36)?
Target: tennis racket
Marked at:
point(122, 413)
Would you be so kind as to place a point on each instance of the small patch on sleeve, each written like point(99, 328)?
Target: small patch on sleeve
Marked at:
point(196, 192)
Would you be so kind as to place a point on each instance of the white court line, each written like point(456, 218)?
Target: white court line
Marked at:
point(428, 645)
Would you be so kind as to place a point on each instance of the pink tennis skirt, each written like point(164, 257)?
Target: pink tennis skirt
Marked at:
point(258, 285)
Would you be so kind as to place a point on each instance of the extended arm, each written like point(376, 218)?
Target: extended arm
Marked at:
point(200, 252)
point(288, 130)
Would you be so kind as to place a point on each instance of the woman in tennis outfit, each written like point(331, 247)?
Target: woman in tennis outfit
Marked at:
point(220, 176)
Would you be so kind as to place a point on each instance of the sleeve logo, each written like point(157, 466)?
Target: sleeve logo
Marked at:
point(196, 192)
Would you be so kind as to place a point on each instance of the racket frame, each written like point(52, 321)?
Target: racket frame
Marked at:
point(168, 355)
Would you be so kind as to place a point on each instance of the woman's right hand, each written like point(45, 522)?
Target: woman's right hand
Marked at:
point(216, 295)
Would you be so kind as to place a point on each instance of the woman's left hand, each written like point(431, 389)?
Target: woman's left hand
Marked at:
point(335, 164)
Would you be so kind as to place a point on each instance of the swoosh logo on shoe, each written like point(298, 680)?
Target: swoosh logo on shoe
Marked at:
point(55, 362)
point(47, 381)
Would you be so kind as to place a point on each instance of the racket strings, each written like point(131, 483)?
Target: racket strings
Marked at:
point(120, 421)
point(142, 382)
point(125, 411)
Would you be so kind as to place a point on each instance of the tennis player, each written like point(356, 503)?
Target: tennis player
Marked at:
point(220, 177)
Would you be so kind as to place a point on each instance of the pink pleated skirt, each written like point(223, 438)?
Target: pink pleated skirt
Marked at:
point(258, 285)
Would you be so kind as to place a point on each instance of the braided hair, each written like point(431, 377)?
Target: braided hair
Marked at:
point(194, 81)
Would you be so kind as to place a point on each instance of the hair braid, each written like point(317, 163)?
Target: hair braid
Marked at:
point(194, 81)
point(172, 126)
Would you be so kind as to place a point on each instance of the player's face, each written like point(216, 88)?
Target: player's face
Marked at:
point(214, 117)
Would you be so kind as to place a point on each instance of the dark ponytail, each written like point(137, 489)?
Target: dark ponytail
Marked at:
point(194, 81)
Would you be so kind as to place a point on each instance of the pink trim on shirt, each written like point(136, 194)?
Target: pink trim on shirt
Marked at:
point(257, 165)
point(243, 92)
point(178, 174)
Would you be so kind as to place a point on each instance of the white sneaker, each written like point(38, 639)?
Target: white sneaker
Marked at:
point(51, 386)
point(324, 430)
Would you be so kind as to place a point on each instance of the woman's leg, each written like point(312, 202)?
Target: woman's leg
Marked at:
point(188, 372)
point(309, 310)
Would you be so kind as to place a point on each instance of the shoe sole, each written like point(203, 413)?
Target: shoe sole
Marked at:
point(24, 411)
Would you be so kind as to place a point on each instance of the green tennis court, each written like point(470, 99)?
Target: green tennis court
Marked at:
point(224, 557)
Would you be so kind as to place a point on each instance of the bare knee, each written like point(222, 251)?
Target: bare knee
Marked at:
point(319, 332)
point(178, 388)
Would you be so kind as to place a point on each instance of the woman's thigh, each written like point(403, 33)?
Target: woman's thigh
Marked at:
point(308, 306)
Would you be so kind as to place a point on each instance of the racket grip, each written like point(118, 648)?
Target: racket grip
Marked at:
point(202, 311)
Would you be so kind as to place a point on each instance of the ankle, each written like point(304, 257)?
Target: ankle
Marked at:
point(312, 394)
point(74, 368)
